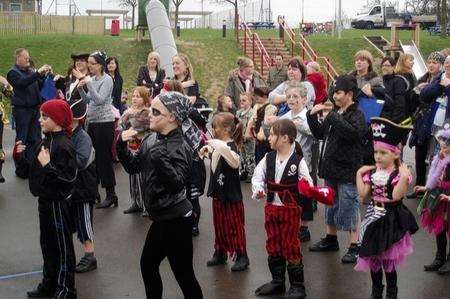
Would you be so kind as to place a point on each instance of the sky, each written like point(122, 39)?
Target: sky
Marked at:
point(315, 11)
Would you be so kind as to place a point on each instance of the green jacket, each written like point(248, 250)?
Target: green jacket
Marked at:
point(235, 88)
point(276, 76)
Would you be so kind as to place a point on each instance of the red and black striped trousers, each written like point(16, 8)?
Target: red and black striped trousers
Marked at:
point(282, 225)
point(229, 227)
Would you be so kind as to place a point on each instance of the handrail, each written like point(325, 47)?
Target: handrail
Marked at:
point(249, 35)
point(307, 49)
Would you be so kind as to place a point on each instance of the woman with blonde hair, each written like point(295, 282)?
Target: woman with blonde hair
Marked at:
point(404, 69)
point(151, 75)
point(243, 79)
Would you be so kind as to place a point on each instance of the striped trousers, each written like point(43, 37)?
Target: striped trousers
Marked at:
point(282, 225)
point(83, 214)
point(229, 227)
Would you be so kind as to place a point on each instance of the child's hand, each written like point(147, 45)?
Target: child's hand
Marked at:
point(204, 151)
point(419, 189)
point(366, 168)
point(444, 197)
point(20, 147)
point(44, 156)
point(260, 195)
point(404, 171)
point(128, 135)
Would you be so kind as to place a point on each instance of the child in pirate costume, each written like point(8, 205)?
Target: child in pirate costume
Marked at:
point(85, 190)
point(53, 171)
point(385, 234)
point(434, 207)
point(276, 177)
point(225, 189)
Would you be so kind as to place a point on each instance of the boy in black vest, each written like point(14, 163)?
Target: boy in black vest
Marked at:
point(53, 170)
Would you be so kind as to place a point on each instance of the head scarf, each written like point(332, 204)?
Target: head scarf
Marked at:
point(178, 105)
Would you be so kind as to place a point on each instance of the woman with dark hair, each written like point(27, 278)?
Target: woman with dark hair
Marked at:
point(394, 107)
point(100, 121)
point(296, 72)
point(404, 70)
point(112, 65)
point(151, 75)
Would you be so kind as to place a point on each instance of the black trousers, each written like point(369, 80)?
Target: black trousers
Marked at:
point(421, 153)
point(171, 239)
point(102, 135)
point(55, 223)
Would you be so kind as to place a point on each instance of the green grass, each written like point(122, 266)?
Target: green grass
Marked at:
point(211, 55)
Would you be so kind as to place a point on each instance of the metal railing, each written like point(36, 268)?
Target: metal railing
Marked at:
point(259, 52)
point(306, 49)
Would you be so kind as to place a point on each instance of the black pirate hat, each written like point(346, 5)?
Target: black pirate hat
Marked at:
point(78, 107)
point(388, 134)
point(77, 56)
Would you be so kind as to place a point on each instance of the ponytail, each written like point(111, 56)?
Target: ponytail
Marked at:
point(298, 150)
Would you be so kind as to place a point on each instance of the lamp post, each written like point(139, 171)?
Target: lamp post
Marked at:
point(339, 25)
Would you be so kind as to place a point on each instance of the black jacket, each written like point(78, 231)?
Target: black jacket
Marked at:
point(165, 165)
point(144, 79)
point(117, 92)
point(394, 108)
point(56, 180)
point(85, 189)
point(342, 151)
point(27, 84)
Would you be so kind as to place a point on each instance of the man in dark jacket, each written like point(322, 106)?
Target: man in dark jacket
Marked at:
point(342, 130)
point(25, 101)
point(164, 161)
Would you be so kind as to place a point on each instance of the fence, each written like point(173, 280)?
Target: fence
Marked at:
point(31, 23)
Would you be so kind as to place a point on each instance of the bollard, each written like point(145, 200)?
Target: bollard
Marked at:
point(224, 29)
point(178, 31)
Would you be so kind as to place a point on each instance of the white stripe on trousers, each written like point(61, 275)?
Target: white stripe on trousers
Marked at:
point(88, 221)
point(61, 282)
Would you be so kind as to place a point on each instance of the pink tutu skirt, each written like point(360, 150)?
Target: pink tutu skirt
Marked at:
point(435, 223)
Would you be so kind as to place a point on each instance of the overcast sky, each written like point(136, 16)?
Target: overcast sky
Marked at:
point(316, 10)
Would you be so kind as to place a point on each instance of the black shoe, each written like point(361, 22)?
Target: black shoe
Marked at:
point(41, 292)
point(391, 293)
point(133, 209)
point(296, 278)
point(110, 200)
point(219, 258)
point(377, 292)
point(445, 269)
point(438, 262)
point(352, 255)
point(304, 235)
point(325, 244)
point(242, 262)
point(277, 267)
point(195, 231)
point(86, 264)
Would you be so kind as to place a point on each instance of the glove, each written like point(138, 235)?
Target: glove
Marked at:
point(324, 195)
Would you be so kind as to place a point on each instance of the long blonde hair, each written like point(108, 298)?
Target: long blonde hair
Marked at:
point(400, 67)
point(187, 62)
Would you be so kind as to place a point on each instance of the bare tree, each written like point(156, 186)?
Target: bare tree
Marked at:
point(235, 3)
point(177, 4)
point(130, 4)
point(444, 17)
point(421, 6)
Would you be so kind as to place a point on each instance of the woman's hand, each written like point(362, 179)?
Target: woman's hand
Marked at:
point(419, 189)
point(77, 74)
point(367, 90)
point(4, 81)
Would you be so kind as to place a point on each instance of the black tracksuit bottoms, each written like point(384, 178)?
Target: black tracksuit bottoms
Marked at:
point(171, 239)
point(57, 247)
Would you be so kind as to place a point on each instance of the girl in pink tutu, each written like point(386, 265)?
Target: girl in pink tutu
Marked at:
point(385, 235)
point(434, 207)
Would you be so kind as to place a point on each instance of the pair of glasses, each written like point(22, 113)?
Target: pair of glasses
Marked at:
point(156, 112)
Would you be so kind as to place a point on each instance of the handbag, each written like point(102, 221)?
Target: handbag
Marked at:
point(371, 107)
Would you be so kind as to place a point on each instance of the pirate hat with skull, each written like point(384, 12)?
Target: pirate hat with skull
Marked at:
point(387, 134)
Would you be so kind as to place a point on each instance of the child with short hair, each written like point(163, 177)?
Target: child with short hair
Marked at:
point(225, 189)
point(137, 119)
point(385, 233)
point(52, 174)
point(85, 189)
point(247, 151)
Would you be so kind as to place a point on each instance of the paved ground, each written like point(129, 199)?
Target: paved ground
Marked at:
point(119, 240)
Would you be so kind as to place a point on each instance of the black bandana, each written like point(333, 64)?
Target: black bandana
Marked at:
point(178, 105)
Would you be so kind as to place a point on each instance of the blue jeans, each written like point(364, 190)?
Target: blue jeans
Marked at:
point(344, 214)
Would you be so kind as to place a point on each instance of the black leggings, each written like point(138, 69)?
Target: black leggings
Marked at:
point(421, 154)
point(171, 239)
point(441, 242)
point(391, 278)
point(102, 135)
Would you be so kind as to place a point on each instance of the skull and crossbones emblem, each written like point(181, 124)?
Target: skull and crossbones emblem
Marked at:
point(377, 130)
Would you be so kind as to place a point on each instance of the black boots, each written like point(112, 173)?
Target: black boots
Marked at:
point(297, 281)
point(377, 292)
point(438, 262)
point(2, 160)
point(329, 243)
point(41, 291)
point(87, 263)
point(277, 267)
point(304, 235)
point(352, 255)
point(445, 269)
point(111, 199)
point(133, 209)
point(242, 262)
point(219, 258)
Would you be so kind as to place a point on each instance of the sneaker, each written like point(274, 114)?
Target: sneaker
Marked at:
point(86, 264)
point(195, 231)
point(351, 256)
point(219, 258)
point(134, 208)
point(41, 291)
point(325, 244)
point(242, 262)
point(304, 235)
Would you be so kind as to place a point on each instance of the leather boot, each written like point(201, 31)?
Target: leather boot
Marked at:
point(111, 199)
point(241, 263)
point(277, 267)
point(42, 291)
point(297, 280)
point(438, 262)
point(219, 258)
point(391, 293)
point(377, 292)
point(445, 269)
